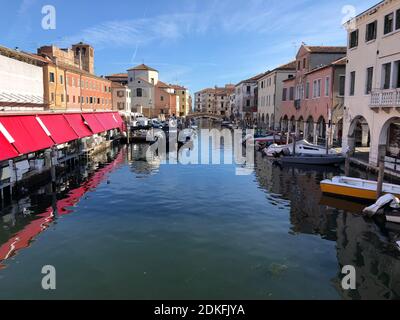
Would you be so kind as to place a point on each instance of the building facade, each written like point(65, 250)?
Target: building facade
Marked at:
point(184, 100)
point(21, 82)
point(69, 80)
point(372, 97)
point(269, 98)
point(122, 99)
point(311, 99)
point(246, 99)
point(215, 100)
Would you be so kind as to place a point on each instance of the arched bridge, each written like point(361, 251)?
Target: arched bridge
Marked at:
point(198, 115)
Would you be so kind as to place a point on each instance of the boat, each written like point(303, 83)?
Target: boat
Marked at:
point(310, 159)
point(357, 188)
point(302, 147)
point(261, 140)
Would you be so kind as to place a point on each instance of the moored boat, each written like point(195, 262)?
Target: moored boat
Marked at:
point(356, 188)
point(302, 147)
point(321, 160)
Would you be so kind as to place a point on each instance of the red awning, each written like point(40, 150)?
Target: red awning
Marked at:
point(7, 151)
point(75, 120)
point(28, 134)
point(107, 120)
point(60, 130)
point(119, 120)
point(93, 123)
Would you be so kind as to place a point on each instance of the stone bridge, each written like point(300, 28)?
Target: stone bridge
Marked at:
point(198, 115)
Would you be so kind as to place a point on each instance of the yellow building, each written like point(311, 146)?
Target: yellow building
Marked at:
point(54, 84)
point(184, 100)
point(54, 87)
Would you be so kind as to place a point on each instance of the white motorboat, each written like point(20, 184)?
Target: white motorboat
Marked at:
point(302, 147)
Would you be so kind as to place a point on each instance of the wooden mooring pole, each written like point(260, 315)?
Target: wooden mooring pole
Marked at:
point(381, 170)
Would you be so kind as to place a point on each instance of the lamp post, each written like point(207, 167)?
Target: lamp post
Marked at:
point(151, 108)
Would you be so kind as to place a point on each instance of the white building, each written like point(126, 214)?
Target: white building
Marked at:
point(21, 82)
point(246, 98)
point(270, 87)
point(142, 81)
point(372, 100)
point(121, 98)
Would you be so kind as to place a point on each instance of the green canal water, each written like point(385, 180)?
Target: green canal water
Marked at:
point(132, 229)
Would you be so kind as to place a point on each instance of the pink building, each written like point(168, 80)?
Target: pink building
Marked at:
point(312, 101)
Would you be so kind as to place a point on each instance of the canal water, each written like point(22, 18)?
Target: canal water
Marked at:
point(125, 227)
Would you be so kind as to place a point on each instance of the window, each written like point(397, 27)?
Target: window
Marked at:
point(371, 31)
point(389, 19)
point(317, 88)
point(67, 98)
point(307, 90)
point(91, 100)
point(162, 98)
point(248, 103)
point(368, 85)
point(284, 94)
point(327, 86)
point(291, 93)
point(248, 89)
point(397, 74)
point(304, 63)
point(61, 79)
point(386, 75)
point(52, 77)
point(73, 99)
point(120, 94)
point(398, 19)
point(353, 39)
point(342, 85)
point(298, 65)
point(139, 92)
point(52, 97)
point(62, 98)
point(352, 83)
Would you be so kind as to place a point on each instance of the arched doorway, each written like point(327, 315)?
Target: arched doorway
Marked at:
point(292, 124)
point(285, 123)
point(359, 138)
point(301, 127)
point(309, 130)
point(338, 134)
point(272, 122)
point(321, 129)
point(389, 141)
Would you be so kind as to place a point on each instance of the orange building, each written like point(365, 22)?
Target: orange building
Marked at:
point(69, 81)
point(166, 101)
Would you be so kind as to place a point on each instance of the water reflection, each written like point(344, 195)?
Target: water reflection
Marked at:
point(27, 217)
point(360, 241)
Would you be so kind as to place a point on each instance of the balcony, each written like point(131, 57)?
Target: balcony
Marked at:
point(385, 99)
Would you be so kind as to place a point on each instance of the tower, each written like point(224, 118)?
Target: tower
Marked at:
point(84, 56)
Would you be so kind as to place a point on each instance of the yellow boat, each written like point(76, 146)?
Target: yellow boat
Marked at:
point(357, 188)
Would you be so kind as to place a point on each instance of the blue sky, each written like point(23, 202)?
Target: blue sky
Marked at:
point(197, 43)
